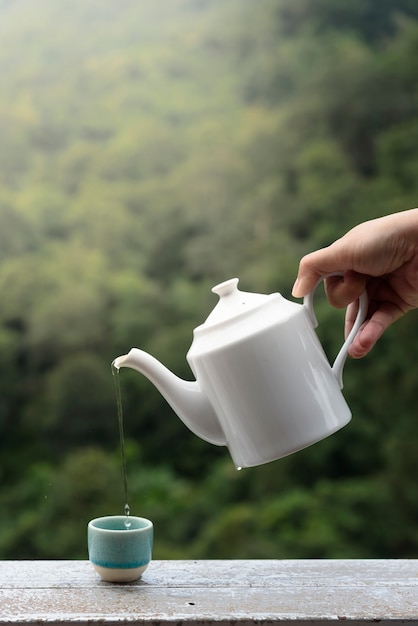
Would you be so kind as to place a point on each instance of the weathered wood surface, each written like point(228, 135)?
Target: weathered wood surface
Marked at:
point(209, 592)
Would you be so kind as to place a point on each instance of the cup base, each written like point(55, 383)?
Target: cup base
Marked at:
point(119, 574)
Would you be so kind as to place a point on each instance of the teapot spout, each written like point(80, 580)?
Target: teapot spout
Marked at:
point(185, 397)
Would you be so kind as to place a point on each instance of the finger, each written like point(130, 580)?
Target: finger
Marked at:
point(343, 290)
point(366, 339)
point(305, 282)
point(373, 329)
point(350, 317)
point(311, 268)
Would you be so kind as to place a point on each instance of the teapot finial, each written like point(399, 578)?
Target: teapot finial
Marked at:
point(226, 288)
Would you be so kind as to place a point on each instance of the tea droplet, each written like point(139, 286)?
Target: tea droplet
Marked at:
point(127, 522)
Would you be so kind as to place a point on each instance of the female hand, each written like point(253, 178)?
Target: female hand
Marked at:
point(380, 256)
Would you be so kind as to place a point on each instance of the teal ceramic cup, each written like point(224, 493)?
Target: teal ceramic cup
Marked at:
point(119, 554)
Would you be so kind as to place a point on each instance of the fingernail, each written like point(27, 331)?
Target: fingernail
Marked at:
point(295, 289)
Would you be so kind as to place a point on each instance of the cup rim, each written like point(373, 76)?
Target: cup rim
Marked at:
point(146, 524)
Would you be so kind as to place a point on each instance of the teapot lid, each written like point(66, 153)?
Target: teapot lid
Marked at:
point(232, 302)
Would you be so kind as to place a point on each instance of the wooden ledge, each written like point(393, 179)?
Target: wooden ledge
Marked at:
point(212, 592)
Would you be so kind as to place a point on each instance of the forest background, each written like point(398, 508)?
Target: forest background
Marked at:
point(150, 150)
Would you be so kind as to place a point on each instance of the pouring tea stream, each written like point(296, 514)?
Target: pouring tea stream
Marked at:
point(264, 386)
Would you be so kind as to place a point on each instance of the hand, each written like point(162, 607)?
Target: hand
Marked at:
point(380, 256)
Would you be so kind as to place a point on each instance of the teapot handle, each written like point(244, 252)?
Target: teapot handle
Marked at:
point(339, 362)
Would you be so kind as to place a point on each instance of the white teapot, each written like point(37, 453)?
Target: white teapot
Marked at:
point(264, 386)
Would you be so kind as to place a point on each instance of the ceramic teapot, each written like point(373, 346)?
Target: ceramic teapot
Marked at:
point(264, 386)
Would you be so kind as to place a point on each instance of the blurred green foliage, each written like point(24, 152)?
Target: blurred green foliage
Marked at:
point(150, 150)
